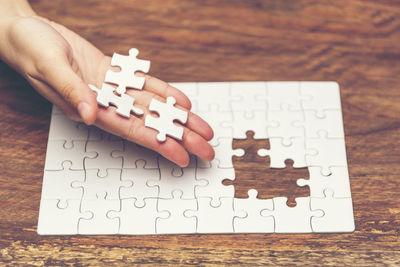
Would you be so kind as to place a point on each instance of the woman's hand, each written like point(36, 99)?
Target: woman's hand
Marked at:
point(60, 64)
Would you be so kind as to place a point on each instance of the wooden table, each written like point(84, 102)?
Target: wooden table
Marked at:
point(356, 43)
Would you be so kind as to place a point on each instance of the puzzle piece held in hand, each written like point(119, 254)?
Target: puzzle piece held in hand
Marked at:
point(164, 124)
point(124, 103)
point(126, 78)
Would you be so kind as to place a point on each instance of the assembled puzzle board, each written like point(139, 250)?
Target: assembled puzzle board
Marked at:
point(97, 183)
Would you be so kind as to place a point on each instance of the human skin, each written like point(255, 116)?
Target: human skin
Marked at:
point(60, 64)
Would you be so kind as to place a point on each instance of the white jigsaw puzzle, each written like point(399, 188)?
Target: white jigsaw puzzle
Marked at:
point(97, 183)
point(164, 124)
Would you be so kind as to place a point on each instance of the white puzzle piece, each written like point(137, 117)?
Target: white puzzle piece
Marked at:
point(213, 219)
point(137, 221)
point(186, 182)
point(325, 152)
point(57, 154)
point(223, 154)
point(133, 153)
point(109, 186)
point(176, 222)
point(213, 94)
point(104, 160)
point(338, 181)
point(278, 153)
point(99, 223)
point(251, 220)
point(139, 189)
point(320, 96)
point(331, 123)
point(213, 187)
point(248, 96)
point(124, 103)
point(164, 124)
point(64, 129)
point(258, 123)
point(97, 183)
point(126, 78)
point(338, 214)
point(285, 129)
point(292, 219)
point(58, 184)
point(60, 221)
point(284, 93)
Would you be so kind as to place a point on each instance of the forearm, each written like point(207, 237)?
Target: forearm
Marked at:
point(15, 8)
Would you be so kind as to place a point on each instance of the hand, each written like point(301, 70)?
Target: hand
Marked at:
point(60, 64)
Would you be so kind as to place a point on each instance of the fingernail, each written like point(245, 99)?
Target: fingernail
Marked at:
point(84, 110)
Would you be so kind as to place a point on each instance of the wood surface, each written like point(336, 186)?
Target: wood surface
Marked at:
point(356, 43)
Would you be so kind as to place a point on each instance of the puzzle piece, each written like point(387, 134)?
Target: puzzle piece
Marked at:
point(104, 160)
point(109, 185)
point(338, 181)
point(57, 154)
point(285, 129)
point(133, 153)
point(278, 153)
point(292, 219)
point(325, 152)
point(99, 223)
point(169, 182)
point(137, 221)
point(284, 93)
point(331, 122)
point(251, 220)
point(63, 128)
point(176, 222)
point(213, 93)
point(248, 97)
point(164, 124)
point(241, 124)
point(57, 184)
point(213, 187)
point(338, 214)
point(321, 96)
point(138, 177)
point(213, 219)
point(126, 78)
point(223, 154)
point(64, 221)
point(124, 103)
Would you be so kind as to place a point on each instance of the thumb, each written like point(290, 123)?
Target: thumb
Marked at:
point(72, 88)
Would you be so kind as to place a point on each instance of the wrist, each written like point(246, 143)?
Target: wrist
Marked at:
point(13, 8)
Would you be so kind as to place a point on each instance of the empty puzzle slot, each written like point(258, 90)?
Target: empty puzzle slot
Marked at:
point(254, 172)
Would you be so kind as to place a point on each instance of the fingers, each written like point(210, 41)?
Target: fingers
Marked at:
point(135, 131)
point(163, 89)
point(197, 145)
point(66, 82)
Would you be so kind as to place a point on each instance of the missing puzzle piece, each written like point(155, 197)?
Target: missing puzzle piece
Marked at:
point(164, 124)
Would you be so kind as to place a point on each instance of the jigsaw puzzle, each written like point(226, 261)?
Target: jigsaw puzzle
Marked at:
point(280, 167)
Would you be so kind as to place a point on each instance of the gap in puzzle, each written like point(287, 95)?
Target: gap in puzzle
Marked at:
point(280, 167)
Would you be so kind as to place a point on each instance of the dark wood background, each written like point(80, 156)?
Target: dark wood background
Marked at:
point(356, 43)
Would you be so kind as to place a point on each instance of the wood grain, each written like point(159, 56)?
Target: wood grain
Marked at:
point(353, 42)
